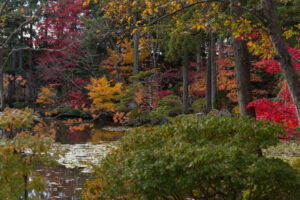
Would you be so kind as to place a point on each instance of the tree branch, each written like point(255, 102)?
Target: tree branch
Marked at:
point(42, 49)
point(15, 31)
point(3, 7)
point(255, 13)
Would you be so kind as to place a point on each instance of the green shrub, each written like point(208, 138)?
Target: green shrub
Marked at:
point(296, 165)
point(69, 111)
point(208, 158)
point(199, 106)
point(176, 89)
point(138, 117)
point(19, 105)
point(14, 120)
point(167, 107)
point(222, 101)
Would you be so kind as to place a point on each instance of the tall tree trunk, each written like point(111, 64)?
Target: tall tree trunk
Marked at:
point(20, 59)
point(282, 55)
point(213, 70)
point(20, 65)
point(25, 177)
point(200, 52)
point(198, 56)
point(242, 68)
point(185, 81)
point(154, 57)
point(135, 51)
point(31, 92)
point(221, 47)
point(121, 58)
point(208, 80)
point(1, 80)
point(11, 86)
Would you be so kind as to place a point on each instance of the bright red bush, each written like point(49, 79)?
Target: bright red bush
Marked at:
point(275, 112)
point(283, 110)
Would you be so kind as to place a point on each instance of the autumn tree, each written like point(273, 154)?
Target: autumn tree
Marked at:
point(281, 52)
point(103, 93)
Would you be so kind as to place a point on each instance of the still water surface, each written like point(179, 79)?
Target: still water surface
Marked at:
point(66, 183)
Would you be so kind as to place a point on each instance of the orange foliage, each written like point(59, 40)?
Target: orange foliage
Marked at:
point(227, 79)
point(119, 117)
point(47, 95)
point(80, 127)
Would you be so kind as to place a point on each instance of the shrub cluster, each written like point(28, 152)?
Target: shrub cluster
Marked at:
point(207, 158)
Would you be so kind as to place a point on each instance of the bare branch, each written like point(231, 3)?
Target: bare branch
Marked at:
point(42, 49)
point(3, 7)
point(15, 31)
point(254, 13)
point(179, 10)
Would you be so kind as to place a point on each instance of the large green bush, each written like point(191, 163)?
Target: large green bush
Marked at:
point(168, 106)
point(199, 106)
point(208, 158)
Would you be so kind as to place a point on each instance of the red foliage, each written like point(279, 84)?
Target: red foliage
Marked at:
point(76, 98)
point(275, 112)
point(163, 93)
point(272, 66)
point(60, 30)
point(283, 111)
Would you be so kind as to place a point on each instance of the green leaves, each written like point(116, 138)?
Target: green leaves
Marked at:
point(207, 158)
point(15, 119)
point(18, 157)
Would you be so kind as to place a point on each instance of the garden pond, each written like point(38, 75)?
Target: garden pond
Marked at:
point(77, 148)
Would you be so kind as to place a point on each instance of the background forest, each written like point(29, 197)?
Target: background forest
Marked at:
point(154, 64)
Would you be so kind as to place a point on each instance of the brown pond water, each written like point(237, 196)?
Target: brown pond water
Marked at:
point(62, 183)
point(66, 183)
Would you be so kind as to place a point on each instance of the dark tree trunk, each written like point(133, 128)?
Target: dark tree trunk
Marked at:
point(282, 55)
point(242, 68)
point(135, 51)
point(198, 56)
point(11, 86)
point(213, 70)
point(154, 57)
point(29, 73)
point(208, 94)
point(186, 63)
point(30, 83)
point(221, 47)
point(121, 58)
point(1, 81)
point(25, 177)
point(20, 59)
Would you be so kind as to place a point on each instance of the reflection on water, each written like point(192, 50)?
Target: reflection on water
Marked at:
point(65, 136)
point(98, 136)
point(66, 183)
point(62, 183)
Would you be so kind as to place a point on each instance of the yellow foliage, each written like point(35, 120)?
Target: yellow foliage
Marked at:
point(126, 67)
point(103, 93)
point(47, 95)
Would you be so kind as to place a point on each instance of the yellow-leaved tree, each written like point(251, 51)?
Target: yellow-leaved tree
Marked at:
point(103, 93)
point(47, 95)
